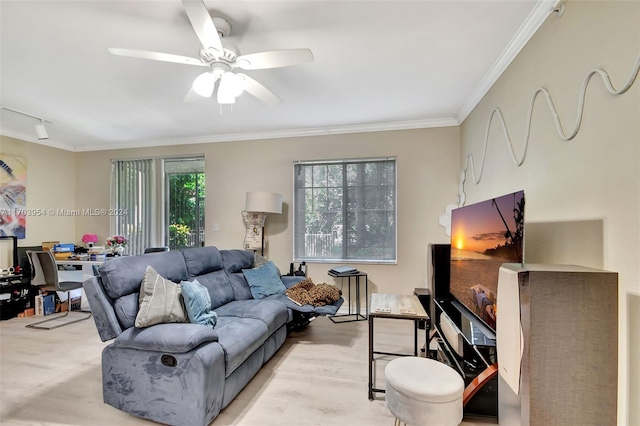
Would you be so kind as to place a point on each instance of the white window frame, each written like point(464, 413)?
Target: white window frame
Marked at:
point(152, 203)
point(300, 250)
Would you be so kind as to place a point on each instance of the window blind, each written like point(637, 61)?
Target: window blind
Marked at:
point(345, 210)
point(133, 194)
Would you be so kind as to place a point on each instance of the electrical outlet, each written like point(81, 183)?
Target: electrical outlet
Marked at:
point(216, 228)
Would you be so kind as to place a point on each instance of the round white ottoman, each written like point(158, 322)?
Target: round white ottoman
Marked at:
point(422, 391)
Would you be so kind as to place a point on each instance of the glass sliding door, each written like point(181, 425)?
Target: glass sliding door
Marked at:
point(184, 202)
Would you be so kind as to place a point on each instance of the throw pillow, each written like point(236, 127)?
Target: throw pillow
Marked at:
point(159, 301)
point(259, 260)
point(198, 303)
point(264, 281)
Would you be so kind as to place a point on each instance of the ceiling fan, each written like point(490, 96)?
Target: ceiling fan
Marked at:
point(223, 59)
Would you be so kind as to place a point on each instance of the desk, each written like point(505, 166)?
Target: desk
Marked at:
point(357, 314)
point(392, 306)
point(87, 272)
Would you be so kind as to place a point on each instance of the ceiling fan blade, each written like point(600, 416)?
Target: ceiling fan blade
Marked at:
point(256, 89)
point(273, 59)
point(156, 56)
point(203, 24)
point(192, 96)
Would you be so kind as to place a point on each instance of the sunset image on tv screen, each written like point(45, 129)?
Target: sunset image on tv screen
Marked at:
point(483, 237)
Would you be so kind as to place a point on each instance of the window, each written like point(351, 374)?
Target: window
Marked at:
point(184, 202)
point(162, 208)
point(345, 210)
point(133, 194)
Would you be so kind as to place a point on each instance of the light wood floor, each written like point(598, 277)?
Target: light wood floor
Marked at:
point(319, 377)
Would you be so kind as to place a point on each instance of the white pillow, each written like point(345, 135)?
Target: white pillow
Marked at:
point(160, 301)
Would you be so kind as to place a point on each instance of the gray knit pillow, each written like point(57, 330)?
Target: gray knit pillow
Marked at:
point(160, 301)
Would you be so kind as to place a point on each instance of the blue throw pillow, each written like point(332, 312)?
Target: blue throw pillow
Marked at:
point(197, 301)
point(264, 280)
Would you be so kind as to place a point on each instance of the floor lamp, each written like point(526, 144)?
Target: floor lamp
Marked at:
point(258, 204)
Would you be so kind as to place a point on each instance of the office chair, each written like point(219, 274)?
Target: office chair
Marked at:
point(155, 249)
point(44, 274)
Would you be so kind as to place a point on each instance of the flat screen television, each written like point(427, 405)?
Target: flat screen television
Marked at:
point(483, 237)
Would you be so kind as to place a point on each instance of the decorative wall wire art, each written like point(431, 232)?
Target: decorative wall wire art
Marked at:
point(525, 143)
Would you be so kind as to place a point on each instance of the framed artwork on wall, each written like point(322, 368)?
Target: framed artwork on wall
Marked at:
point(13, 200)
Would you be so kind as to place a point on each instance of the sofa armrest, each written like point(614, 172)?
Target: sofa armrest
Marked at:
point(290, 280)
point(102, 309)
point(172, 338)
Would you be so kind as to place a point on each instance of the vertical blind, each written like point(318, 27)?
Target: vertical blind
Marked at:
point(132, 195)
point(345, 210)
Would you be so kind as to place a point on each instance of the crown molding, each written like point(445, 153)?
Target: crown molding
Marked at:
point(533, 22)
point(29, 138)
point(281, 134)
point(529, 27)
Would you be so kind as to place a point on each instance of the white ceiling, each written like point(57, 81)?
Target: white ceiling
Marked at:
point(378, 65)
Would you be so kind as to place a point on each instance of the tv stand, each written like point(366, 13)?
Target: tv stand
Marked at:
point(469, 347)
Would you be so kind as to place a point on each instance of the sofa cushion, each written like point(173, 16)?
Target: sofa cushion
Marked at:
point(197, 302)
point(239, 338)
point(272, 313)
point(219, 287)
point(202, 260)
point(236, 260)
point(123, 275)
point(264, 281)
point(282, 298)
point(126, 308)
point(172, 338)
point(160, 301)
point(241, 290)
point(330, 309)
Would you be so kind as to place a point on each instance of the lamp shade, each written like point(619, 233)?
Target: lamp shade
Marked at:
point(264, 202)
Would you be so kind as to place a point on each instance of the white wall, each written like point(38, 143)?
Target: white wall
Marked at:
point(592, 179)
point(51, 184)
point(427, 171)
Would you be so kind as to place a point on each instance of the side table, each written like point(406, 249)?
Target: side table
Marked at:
point(358, 316)
point(406, 307)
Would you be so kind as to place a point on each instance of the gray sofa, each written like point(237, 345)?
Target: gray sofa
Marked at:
point(182, 373)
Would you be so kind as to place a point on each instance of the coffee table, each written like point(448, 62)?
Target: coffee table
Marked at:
point(396, 306)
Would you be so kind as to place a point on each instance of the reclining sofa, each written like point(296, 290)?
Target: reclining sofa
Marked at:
point(184, 373)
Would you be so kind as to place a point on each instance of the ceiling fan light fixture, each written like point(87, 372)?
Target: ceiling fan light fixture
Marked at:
point(225, 98)
point(221, 58)
point(234, 83)
point(231, 86)
point(204, 84)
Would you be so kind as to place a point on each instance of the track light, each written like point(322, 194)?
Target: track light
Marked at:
point(41, 131)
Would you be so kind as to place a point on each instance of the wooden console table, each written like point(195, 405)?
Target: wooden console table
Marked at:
point(405, 307)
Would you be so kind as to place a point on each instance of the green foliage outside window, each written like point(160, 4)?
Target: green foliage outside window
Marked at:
point(179, 235)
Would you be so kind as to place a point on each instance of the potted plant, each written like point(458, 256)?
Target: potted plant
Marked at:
point(89, 240)
point(117, 243)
